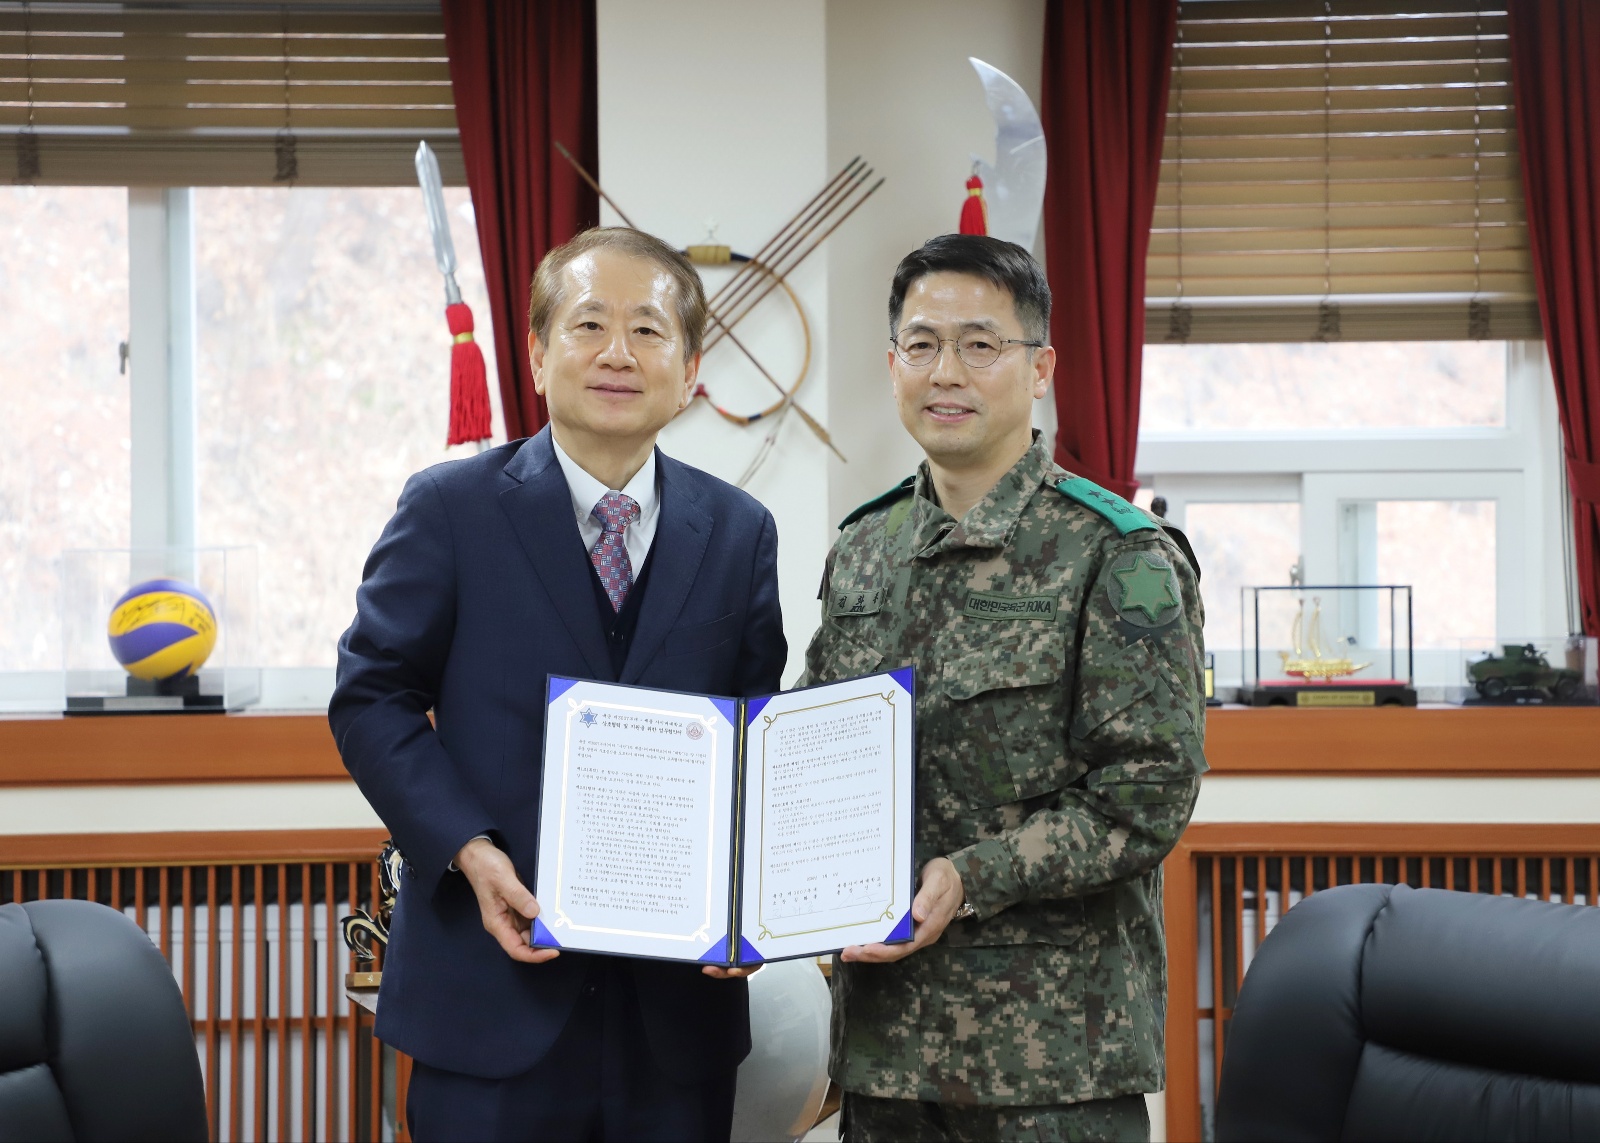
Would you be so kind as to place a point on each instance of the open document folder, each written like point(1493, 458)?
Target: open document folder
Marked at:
point(726, 831)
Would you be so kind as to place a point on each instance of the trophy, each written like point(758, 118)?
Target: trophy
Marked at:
point(363, 933)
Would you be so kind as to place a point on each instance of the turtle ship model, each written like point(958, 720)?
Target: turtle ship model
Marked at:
point(1313, 673)
point(1317, 666)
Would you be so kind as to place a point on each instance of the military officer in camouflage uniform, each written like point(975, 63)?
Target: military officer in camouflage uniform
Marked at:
point(1056, 634)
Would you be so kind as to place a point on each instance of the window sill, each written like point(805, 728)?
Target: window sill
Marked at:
point(1438, 740)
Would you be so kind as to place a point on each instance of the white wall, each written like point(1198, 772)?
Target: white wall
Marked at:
point(902, 95)
point(737, 113)
point(183, 806)
point(715, 111)
point(1372, 798)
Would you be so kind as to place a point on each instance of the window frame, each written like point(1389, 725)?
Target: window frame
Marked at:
point(1517, 465)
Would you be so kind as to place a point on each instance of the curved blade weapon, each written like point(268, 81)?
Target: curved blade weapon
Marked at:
point(1014, 185)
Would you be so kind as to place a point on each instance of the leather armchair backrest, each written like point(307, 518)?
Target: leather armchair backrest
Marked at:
point(95, 1043)
point(1295, 1040)
point(1385, 1012)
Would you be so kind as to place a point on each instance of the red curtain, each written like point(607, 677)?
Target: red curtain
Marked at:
point(523, 72)
point(1555, 68)
point(1107, 65)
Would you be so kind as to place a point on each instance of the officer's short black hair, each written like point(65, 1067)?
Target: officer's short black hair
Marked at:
point(1000, 263)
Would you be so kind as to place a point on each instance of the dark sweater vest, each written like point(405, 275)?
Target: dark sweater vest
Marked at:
point(620, 625)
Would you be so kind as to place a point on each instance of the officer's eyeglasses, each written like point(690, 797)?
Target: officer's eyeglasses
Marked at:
point(977, 349)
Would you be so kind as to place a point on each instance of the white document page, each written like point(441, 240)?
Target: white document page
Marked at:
point(636, 820)
point(829, 801)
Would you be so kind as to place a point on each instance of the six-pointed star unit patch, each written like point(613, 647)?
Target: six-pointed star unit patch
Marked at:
point(1144, 589)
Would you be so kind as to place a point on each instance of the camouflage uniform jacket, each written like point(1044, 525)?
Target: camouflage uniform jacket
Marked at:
point(1060, 717)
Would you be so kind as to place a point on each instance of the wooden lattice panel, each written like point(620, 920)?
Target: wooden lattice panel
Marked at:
point(256, 950)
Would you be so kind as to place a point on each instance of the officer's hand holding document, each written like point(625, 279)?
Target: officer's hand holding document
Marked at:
point(726, 831)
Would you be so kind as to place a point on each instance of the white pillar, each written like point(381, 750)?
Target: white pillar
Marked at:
point(716, 110)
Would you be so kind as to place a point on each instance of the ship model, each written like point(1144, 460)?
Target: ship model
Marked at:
point(1307, 658)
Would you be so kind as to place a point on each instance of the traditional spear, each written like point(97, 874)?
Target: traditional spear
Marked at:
point(469, 379)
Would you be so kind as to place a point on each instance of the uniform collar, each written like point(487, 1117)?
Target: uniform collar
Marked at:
point(991, 521)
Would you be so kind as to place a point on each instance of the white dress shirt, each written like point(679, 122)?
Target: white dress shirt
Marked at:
point(587, 491)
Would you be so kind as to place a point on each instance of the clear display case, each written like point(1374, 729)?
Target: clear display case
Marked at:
point(94, 580)
point(1540, 671)
point(1327, 646)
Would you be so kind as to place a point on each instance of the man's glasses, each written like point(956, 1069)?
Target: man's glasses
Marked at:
point(977, 349)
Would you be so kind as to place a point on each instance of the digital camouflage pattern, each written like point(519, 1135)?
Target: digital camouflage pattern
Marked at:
point(869, 1120)
point(1060, 716)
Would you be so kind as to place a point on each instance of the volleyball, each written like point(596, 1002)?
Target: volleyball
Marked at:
point(162, 629)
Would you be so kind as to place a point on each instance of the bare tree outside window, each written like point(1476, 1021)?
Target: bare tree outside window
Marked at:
point(322, 383)
point(64, 443)
point(1446, 550)
point(1324, 385)
point(1240, 545)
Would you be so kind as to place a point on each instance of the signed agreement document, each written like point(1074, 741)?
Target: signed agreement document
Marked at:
point(726, 831)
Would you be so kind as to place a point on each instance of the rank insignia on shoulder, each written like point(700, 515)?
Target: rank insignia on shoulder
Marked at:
point(844, 602)
point(1144, 589)
point(904, 488)
point(1123, 515)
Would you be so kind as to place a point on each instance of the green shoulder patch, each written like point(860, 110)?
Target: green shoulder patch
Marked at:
point(897, 492)
point(1124, 516)
point(1144, 589)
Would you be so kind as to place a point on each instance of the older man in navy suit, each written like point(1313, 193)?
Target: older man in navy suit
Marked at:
point(582, 551)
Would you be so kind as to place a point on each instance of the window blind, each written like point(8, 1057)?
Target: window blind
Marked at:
point(1358, 151)
point(196, 94)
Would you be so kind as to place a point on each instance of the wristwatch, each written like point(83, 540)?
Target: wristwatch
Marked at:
point(965, 911)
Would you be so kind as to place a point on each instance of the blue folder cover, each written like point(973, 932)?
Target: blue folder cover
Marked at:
point(731, 949)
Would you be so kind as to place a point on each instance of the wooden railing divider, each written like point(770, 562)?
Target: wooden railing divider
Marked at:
point(287, 1057)
point(249, 923)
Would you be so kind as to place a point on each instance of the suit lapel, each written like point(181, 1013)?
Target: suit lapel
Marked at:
point(539, 506)
point(683, 532)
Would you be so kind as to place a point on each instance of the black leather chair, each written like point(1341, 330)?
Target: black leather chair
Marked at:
point(94, 1040)
point(1384, 1012)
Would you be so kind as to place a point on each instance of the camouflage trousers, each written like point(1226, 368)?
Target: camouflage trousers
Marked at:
point(868, 1119)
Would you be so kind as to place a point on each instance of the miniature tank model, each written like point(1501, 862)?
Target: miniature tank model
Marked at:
point(1522, 668)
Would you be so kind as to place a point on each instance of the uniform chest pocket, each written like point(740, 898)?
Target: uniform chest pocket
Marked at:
point(1009, 700)
point(839, 652)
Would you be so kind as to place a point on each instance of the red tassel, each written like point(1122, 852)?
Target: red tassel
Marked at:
point(469, 381)
point(974, 214)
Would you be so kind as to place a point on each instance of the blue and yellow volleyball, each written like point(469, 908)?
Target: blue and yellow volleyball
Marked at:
point(162, 629)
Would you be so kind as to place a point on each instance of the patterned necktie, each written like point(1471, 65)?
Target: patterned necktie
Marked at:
point(610, 552)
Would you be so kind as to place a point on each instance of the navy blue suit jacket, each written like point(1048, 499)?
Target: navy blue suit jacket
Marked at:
point(477, 590)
